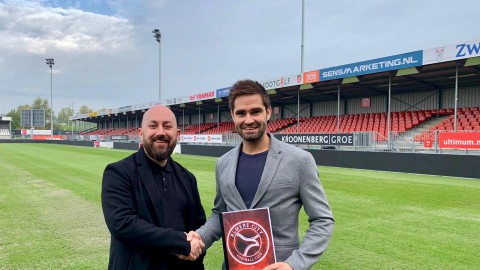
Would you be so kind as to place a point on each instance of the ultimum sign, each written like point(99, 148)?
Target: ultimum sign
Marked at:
point(459, 140)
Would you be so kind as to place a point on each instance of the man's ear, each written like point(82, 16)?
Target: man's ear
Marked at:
point(269, 113)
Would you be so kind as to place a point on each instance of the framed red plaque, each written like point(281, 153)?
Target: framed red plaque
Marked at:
point(247, 239)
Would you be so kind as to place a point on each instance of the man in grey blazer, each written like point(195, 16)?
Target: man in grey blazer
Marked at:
point(264, 172)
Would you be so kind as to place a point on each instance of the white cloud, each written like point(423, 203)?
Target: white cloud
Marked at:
point(32, 28)
point(106, 56)
point(140, 10)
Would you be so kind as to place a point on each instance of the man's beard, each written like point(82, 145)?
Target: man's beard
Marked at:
point(156, 153)
point(252, 137)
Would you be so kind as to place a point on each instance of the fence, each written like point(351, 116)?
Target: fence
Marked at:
point(417, 141)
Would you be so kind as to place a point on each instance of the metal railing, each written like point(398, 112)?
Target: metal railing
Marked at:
point(418, 140)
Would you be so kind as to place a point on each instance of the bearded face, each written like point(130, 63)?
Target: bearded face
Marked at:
point(250, 117)
point(252, 131)
point(159, 133)
point(159, 147)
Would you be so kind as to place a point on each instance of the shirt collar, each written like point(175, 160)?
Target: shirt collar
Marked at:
point(159, 168)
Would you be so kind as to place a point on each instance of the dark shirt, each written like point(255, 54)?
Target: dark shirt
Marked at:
point(248, 175)
point(172, 194)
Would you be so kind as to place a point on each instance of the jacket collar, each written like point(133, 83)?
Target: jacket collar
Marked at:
point(271, 165)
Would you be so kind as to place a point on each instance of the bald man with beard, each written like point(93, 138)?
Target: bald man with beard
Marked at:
point(149, 201)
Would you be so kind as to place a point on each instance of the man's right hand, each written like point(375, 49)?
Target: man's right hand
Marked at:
point(196, 247)
point(192, 235)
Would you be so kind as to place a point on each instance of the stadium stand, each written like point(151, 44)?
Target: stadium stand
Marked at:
point(398, 106)
point(280, 124)
point(468, 119)
point(195, 128)
point(401, 122)
point(130, 132)
point(222, 128)
point(5, 128)
point(5, 131)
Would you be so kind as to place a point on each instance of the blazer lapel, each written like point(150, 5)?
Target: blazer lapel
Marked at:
point(231, 173)
point(271, 165)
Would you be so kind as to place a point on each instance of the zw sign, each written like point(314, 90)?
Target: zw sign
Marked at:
point(451, 52)
point(465, 50)
point(317, 139)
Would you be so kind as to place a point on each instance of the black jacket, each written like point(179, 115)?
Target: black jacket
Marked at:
point(138, 238)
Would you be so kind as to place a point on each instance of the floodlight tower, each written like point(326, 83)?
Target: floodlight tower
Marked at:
point(50, 63)
point(157, 37)
point(301, 65)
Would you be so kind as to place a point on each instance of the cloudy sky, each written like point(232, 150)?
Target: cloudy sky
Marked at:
point(106, 57)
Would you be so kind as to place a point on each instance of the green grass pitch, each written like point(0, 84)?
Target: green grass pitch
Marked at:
point(51, 217)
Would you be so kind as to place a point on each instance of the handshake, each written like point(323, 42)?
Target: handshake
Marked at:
point(197, 247)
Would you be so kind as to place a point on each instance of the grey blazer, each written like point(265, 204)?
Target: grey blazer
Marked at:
point(289, 180)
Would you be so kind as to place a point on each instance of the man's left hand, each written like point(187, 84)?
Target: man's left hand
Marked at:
point(278, 266)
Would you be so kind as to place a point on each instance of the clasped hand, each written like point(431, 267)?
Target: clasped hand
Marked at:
point(196, 247)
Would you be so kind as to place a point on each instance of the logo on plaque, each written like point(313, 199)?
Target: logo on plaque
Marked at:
point(248, 242)
point(247, 239)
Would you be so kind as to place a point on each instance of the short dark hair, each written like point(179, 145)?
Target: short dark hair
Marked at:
point(248, 87)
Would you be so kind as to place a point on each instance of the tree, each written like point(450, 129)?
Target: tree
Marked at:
point(37, 104)
point(64, 115)
point(42, 104)
point(85, 109)
point(15, 115)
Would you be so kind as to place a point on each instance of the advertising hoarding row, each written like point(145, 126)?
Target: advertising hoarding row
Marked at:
point(200, 138)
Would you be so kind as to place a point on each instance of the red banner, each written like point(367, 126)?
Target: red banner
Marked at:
point(428, 143)
point(459, 140)
point(311, 76)
point(366, 102)
point(47, 137)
